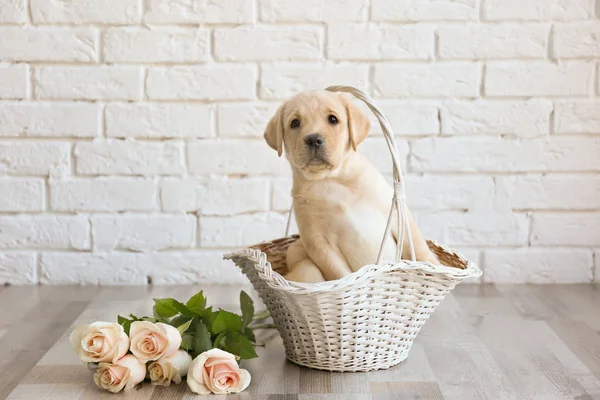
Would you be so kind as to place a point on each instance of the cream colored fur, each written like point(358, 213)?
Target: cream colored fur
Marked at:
point(341, 201)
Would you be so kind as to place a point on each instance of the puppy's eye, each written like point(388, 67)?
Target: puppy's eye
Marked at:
point(332, 119)
point(295, 123)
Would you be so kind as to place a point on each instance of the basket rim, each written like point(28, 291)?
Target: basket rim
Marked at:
point(278, 282)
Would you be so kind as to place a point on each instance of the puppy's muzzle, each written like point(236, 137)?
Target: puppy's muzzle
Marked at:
point(314, 141)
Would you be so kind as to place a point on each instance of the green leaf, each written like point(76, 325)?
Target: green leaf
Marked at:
point(208, 317)
point(134, 318)
point(150, 319)
point(197, 303)
point(249, 333)
point(125, 323)
point(165, 308)
point(183, 309)
point(226, 320)
point(247, 308)
point(238, 344)
point(184, 327)
point(201, 342)
point(179, 320)
point(187, 342)
point(219, 339)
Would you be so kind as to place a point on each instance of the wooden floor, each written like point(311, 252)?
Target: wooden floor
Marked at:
point(483, 342)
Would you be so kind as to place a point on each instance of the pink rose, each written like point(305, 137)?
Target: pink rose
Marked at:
point(170, 369)
point(149, 341)
point(99, 342)
point(216, 371)
point(123, 374)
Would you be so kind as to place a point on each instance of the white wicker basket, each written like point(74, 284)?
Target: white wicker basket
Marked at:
point(367, 320)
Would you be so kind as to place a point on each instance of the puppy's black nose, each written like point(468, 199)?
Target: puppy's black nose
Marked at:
point(314, 141)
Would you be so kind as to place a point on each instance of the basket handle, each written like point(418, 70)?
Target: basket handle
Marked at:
point(399, 198)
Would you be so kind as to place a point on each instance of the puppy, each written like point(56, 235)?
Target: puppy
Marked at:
point(341, 201)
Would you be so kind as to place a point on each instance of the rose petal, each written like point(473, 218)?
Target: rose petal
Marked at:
point(108, 377)
point(98, 342)
point(197, 387)
point(173, 337)
point(181, 361)
point(136, 368)
point(123, 347)
point(196, 369)
point(246, 378)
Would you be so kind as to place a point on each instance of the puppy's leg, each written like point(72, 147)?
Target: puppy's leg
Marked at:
point(302, 269)
point(422, 251)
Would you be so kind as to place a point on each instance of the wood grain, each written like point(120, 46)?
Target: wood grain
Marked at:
point(483, 342)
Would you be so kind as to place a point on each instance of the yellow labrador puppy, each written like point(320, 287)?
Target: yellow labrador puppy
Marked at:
point(341, 201)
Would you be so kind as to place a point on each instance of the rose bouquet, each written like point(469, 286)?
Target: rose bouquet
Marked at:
point(180, 340)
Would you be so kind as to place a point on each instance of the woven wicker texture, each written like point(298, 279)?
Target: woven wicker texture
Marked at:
point(367, 320)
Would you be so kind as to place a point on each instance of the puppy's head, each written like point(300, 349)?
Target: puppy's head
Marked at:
point(317, 129)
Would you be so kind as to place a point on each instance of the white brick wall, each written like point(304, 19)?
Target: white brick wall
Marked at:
point(131, 143)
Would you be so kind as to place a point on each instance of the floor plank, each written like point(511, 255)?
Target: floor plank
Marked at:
point(483, 342)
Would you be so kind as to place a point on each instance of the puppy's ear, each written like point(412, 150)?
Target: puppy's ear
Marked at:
point(358, 123)
point(274, 132)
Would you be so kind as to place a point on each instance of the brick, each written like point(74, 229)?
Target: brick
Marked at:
point(94, 268)
point(407, 118)
point(505, 155)
point(439, 193)
point(158, 120)
point(283, 81)
point(312, 11)
point(268, 44)
point(33, 158)
point(202, 83)
point(49, 119)
point(108, 157)
point(143, 233)
point(420, 10)
point(487, 41)
point(551, 192)
point(577, 116)
point(103, 194)
point(356, 42)
point(214, 196)
point(45, 232)
point(281, 196)
point(13, 12)
point(427, 80)
point(17, 268)
point(85, 11)
point(13, 81)
point(577, 40)
point(199, 11)
point(566, 229)
point(21, 195)
point(48, 44)
point(522, 118)
point(482, 227)
point(234, 157)
point(533, 10)
point(197, 267)
point(169, 45)
point(538, 79)
point(537, 265)
point(88, 83)
point(377, 152)
point(244, 120)
point(241, 230)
